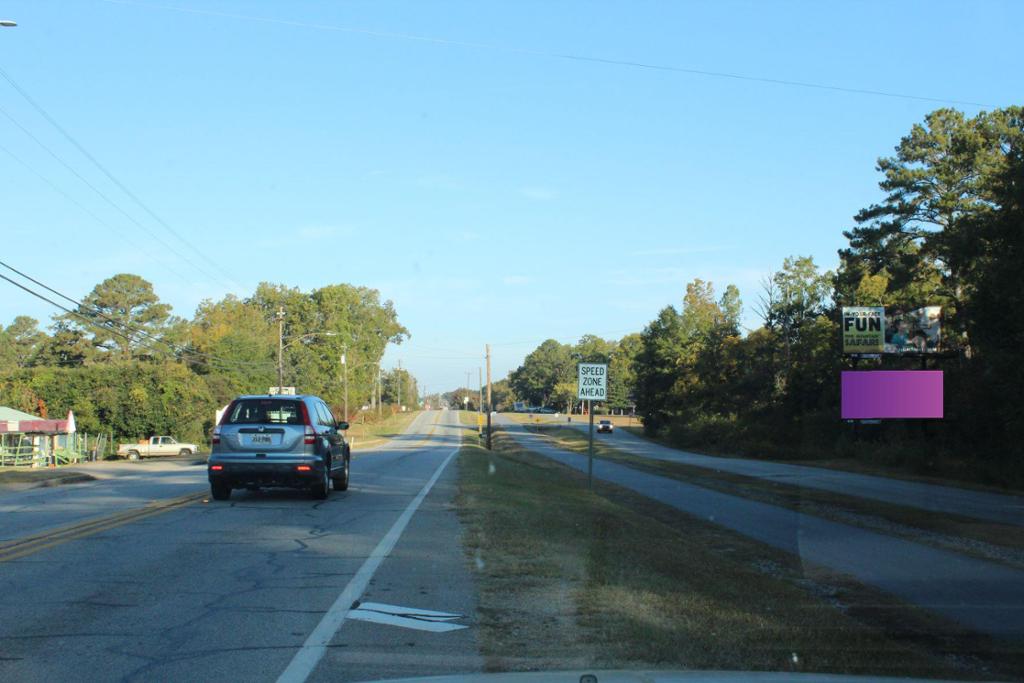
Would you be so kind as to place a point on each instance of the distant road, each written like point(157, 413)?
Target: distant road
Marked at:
point(994, 507)
point(983, 596)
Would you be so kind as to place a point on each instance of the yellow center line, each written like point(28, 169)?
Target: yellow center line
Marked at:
point(27, 545)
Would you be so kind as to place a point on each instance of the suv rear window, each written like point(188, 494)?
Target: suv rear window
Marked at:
point(265, 411)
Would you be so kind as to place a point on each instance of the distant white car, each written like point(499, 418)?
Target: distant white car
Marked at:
point(156, 446)
point(605, 426)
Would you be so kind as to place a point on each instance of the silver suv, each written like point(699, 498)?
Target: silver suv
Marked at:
point(291, 441)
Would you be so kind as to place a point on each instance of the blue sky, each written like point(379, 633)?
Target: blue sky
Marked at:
point(495, 191)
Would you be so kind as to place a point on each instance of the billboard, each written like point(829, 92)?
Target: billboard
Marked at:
point(916, 331)
point(880, 394)
point(863, 329)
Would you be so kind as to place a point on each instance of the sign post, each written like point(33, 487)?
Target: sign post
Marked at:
point(592, 385)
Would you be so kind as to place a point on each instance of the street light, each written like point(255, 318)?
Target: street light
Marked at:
point(7, 23)
point(281, 345)
point(345, 364)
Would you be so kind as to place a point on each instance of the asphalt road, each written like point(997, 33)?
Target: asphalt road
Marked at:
point(249, 589)
point(1007, 509)
point(120, 486)
point(983, 596)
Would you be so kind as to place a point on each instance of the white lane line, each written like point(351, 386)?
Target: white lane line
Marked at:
point(312, 651)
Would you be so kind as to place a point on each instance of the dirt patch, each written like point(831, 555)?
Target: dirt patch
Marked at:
point(40, 478)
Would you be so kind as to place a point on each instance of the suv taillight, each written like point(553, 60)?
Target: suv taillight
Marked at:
point(310, 437)
point(216, 435)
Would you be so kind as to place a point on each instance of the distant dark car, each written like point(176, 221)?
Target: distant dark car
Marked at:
point(289, 441)
point(605, 426)
point(546, 411)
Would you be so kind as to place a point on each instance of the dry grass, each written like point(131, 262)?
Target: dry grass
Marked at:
point(844, 464)
point(611, 579)
point(389, 427)
point(539, 418)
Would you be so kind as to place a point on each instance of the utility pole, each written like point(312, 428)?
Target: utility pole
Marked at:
point(380, 390)
point(280, 350)
point(467, 382)
point(399, 377)
point(480, 400)
point(488, 347)
point(344, 366)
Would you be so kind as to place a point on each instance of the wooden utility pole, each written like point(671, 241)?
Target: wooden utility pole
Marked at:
point(488, 348)
point(480, 400)
point(344, 367)
point(280, 349)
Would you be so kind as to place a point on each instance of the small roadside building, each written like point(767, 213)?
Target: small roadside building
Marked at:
point(27, 439)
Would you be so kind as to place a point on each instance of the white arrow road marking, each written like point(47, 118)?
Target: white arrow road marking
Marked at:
point(407, 611)
point(406, 617)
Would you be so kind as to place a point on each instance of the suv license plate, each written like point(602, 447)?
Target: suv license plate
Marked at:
point(261, 438)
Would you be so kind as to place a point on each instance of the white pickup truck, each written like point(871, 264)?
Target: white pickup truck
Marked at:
point(157, 445)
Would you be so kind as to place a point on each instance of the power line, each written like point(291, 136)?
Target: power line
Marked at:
point(538, 340)
point(103, 195)
point(110, 176)
point(555, 55)
point(65, 309)
point(213, 361)
point(124, 235)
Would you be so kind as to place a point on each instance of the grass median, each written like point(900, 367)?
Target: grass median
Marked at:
point(379, 430)
point(856, 465)
point(991, 541)
point(570, 579)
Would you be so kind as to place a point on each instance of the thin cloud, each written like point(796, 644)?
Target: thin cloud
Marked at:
point(744, 278)
point(319, 232)
point(440, 181)
point(516, 280)
point(540, 194)
point(647, 277)
point(678, 251)
point(308, 233)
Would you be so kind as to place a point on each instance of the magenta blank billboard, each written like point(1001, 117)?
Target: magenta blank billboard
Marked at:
point(883, 394)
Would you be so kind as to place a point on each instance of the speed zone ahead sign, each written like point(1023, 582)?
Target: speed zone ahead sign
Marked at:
point(593, 381)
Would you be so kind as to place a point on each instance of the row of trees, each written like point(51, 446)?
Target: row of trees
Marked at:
point(502, 397)
point(949, 232)
point(547, 376)
point(124, 363)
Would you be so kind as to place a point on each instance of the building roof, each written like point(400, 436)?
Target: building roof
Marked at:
point(10, 414)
